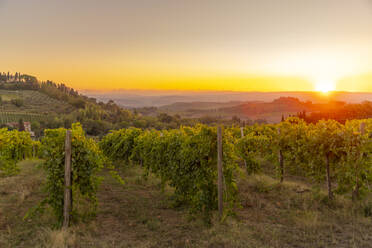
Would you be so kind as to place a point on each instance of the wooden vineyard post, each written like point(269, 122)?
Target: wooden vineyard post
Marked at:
point(220, 172)
point(329, 183)
point(363, 128)
point(281, 161)
point(355, 194)
point(242, 135)
point(68, 195)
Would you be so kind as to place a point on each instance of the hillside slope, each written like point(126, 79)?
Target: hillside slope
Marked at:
point(51, 105)
point(33, 101)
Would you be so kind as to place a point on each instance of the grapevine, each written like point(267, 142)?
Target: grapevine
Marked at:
point(14, 147)
point(86, 163)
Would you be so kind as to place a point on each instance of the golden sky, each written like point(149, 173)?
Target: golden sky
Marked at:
point(242, 45)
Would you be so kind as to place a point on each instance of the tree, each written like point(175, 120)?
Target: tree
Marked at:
point(163, 117)
point(78, 103)
point(235, 119)
point(36, 128)
point(17, 102)
point(21, 125)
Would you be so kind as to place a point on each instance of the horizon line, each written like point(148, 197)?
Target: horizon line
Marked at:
point(226, 91)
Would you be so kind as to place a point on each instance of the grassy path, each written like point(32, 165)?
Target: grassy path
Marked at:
point(140, 214)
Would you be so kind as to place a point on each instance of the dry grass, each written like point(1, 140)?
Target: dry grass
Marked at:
point(56, 238)
point(141, 214)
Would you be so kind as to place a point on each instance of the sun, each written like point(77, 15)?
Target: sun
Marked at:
point(325, 86)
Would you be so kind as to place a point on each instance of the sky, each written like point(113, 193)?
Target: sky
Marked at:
point(240, 45)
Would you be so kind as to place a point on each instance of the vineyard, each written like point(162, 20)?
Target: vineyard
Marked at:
point(14, 147)
point(6, 117)
point(32, 102)
point(186, 158)
point(326, 155)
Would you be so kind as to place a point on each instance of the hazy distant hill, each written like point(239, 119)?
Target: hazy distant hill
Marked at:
point(147, 98)
point(190, 106)
point(245, 105)
point(270, 111)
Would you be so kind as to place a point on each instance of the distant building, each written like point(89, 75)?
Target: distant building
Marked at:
point(12, 125)
point(26, 124)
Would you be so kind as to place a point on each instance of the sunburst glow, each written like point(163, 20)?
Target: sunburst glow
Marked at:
point(325, 86)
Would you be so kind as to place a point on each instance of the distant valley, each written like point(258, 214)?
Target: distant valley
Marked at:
point(269, 106)
point(150, 98)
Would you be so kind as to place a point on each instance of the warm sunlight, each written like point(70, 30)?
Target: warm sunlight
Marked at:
point(202, 108)
point(325, 86)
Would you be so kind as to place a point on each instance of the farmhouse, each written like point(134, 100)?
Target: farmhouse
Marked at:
point(26, 124)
